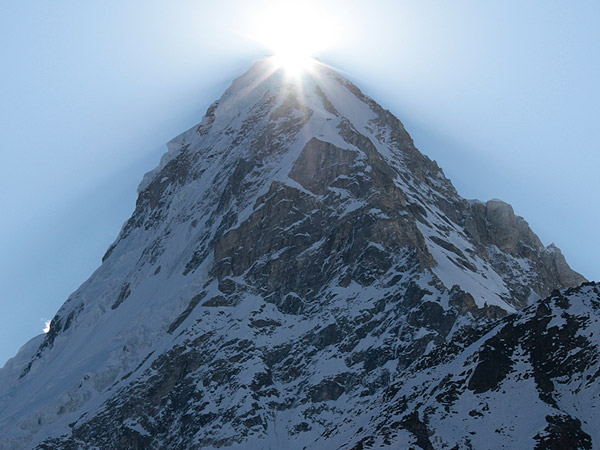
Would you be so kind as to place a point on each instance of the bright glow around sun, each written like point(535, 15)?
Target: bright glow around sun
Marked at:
point(295, 32)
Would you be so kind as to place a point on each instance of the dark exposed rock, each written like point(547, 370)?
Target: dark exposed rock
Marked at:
point(185, 314)
point(125, 292)
point(321, 164)
point(262, 323)
point(495, 363)
point(561, 433)
point(219, 300)
point(419, 430)
point(329, 335)
point(325, 391)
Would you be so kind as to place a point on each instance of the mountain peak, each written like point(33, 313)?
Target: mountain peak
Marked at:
point(256, 95)
point(287, 259)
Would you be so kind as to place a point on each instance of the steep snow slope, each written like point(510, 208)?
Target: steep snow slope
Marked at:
point(288, 258)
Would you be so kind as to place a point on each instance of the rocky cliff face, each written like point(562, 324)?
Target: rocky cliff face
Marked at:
point(494, 226)
point(289, 265)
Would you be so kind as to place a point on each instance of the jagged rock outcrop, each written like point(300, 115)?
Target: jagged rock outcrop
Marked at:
point(291, 263)
point(495, 226)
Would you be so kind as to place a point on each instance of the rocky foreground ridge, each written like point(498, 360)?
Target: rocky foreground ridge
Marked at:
point(296, 274)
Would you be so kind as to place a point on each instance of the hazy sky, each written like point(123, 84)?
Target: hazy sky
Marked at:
point(504, 95)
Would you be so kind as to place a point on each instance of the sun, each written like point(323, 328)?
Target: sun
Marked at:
point(294, 63)
point(295, 32)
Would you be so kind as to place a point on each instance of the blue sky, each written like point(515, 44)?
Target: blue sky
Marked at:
point(504, 95)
